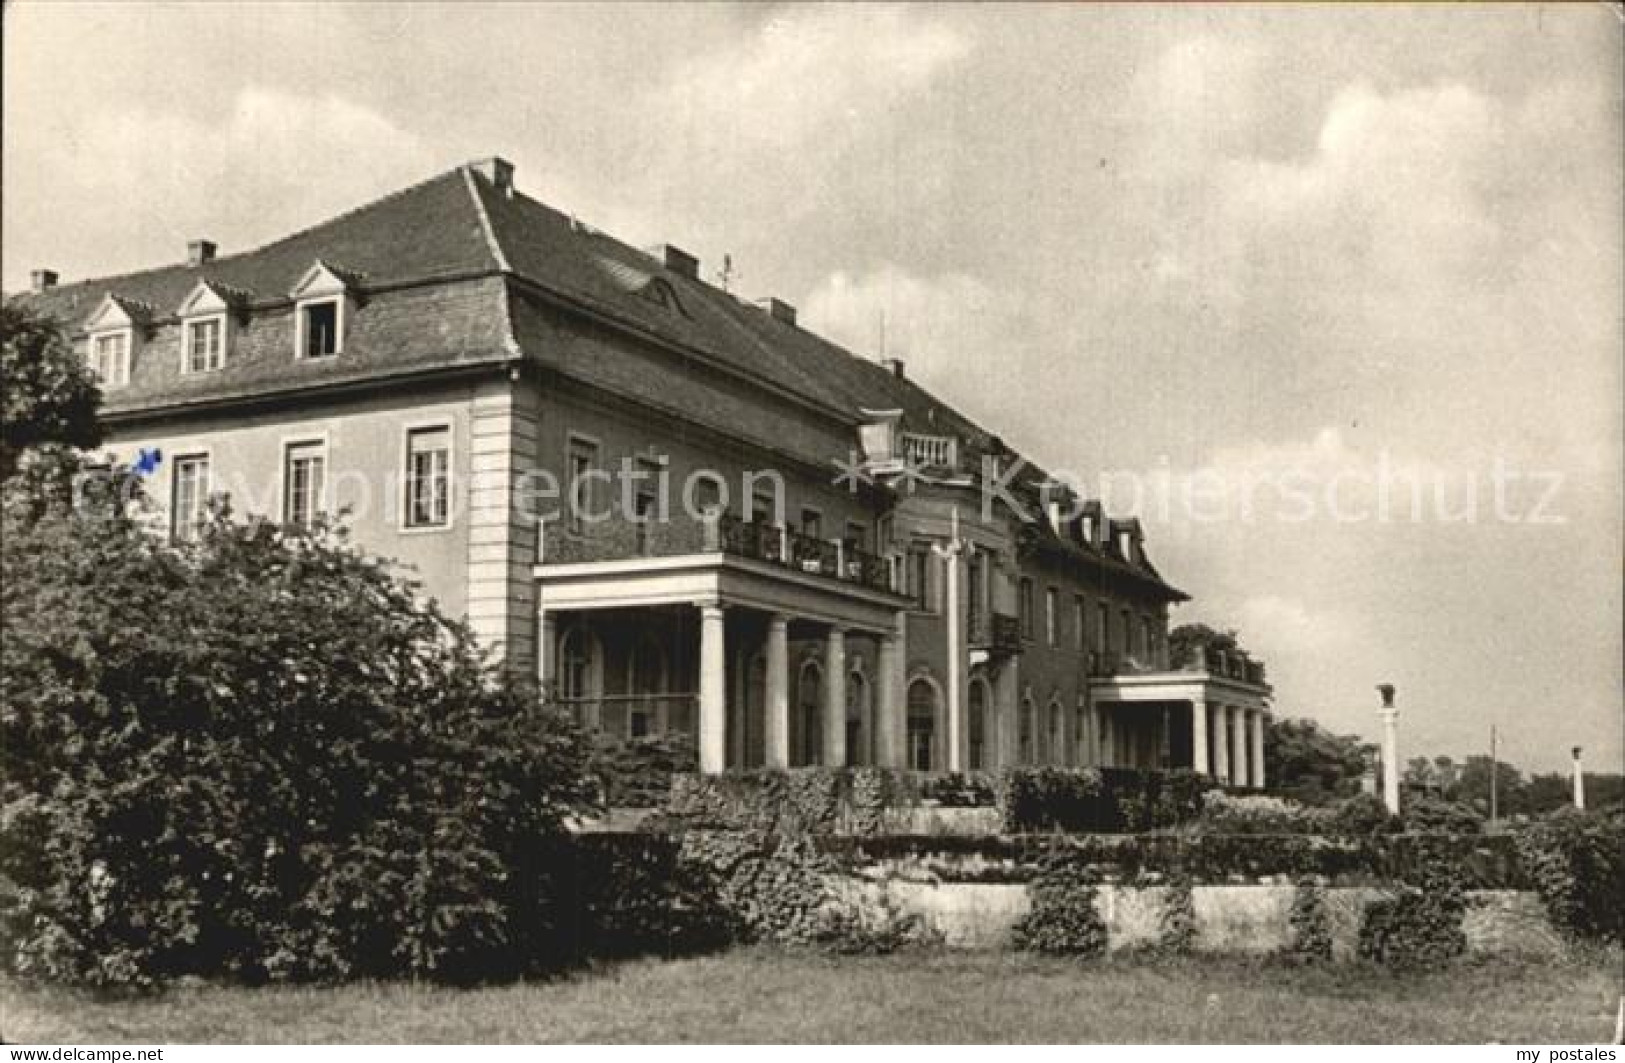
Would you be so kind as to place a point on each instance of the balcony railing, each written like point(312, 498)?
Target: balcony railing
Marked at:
point(931, 452)
point(997, 633)
point(719, 533)
point(635, 715)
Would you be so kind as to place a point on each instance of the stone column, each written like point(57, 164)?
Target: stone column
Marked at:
point(889, 703)
point(1238, 752)
point(1221, 745)
point(835, 698)
point(1579, 781)
point(1390, 759)
point(776, 703)
point(713, 690)
point(1199, 737)
point(1259, 718)
point(547, 653)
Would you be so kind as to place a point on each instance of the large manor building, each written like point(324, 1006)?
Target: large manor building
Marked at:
point(683, 511)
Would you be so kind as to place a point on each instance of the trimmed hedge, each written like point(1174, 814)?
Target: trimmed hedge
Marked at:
point(1485, 862)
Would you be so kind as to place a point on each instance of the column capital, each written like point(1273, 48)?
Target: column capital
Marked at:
point(778, 620)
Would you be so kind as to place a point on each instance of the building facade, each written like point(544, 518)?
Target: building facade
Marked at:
point(681, 510)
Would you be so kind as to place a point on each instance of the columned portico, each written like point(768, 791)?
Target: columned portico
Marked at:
point(748, 614)
point(1209, 723)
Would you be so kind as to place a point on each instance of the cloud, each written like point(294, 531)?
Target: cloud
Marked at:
point(808, 73)
point(272, 162)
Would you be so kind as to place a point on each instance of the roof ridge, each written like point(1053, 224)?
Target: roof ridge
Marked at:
point(486, 227)
point(379, 201)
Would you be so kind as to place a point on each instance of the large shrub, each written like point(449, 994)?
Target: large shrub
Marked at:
point(261, 756)
point(1576, 861)
point(1418, 926)
point(1097, 800)
point(1063, 917)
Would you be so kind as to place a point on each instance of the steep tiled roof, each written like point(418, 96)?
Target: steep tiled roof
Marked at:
point(503, 258)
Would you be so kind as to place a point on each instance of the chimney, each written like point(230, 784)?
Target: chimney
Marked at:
point(41, 279)
point(779, 310)
point(497, 170)
point(895, 365)
point(200, 252)
point(677, 260)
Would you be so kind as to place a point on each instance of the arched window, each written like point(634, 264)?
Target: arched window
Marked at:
point(857, 716)
point(579, 673)
point(977, 725)
point(1080, 730)
point(922, 723)
point(809, 710)
point(1028, 725)
point(645, 681)
point(1053, 739)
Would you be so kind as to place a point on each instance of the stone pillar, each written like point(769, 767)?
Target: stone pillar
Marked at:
point(1579, 781)
point(1390, 759)
point(1108, 739)
point(889, 697)
point(1199, 753)
point(1259, 719)
point(776, 703)
point(1238, 751)
point(547, 653)
point(1007, 715)
point(713, 690)
point(958, 662)
point(1221, 745)
point(835, 698)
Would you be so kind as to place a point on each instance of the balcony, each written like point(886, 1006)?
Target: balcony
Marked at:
point(723, 533)
point(996, 633)
point(930, 452)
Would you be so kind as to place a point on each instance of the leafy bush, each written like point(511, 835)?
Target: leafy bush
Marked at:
point(976, 789)
point(1575, 861)
point(1063, 918)
point(1362, 815)
point(637, 773)
point(1094, 800)
point(1418, 927)
point(798, 800)
point(1311, 940)
point(623, 895)
point(261, 756)
point(1176, 930)
point(1429, 815)
point(1224, 813)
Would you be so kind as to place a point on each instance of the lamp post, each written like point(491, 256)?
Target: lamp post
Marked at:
point(1579, 782)
point(1390, 748)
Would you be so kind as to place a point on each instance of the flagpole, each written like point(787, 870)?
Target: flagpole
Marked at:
point(1493, 774)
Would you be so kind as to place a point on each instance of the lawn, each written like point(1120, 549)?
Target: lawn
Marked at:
point(752, 996)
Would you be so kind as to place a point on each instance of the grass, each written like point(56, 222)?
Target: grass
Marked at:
point(761, 996)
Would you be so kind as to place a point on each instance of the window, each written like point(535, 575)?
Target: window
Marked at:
point(812, 523)
point(205, 344)
point(1147, 646)
point(919, 578)
point(857, 535)
point(976, 724)
point(1080, 638)
point(922, 723)
point(762, 506)
point(1055, 751)
point(1080, 730)
point(707, 491)
point(1127, 632)
point(1102, 629)
point(428, 478)
point(809, 691)
point(304, 478)
point(646, 503)
point(189, 506)
point(582, 462)
point(1027, 725)
point(319, 329)
point(1052, 630)
point(1024, 607)
point(110, 358)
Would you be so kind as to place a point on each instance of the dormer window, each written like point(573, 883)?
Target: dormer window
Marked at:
point(205, 344)
point(111, 335)
point(323, 300)
point(110, 357)
point(319, 328)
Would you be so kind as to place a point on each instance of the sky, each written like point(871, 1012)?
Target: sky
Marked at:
point(1329, 296)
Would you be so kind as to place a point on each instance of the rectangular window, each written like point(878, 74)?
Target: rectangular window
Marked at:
point(583, 461)
point(857, 535)
point(428, 478)
point(110, 358)
point(1127, 645)
point(319, 329)
point(304, 478)
point(919, 577)
point(761, 506)
point(205, 345)
point(1102, 629)
point(1079, 635)
point(189, 506)
point(1024, 607)
point(646, 502)
point(812, 523)
point(1052, 621)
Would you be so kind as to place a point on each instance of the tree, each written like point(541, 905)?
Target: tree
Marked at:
point(1307, 762)
point(50, 396)
point(259, 755)
point(1473, 786)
